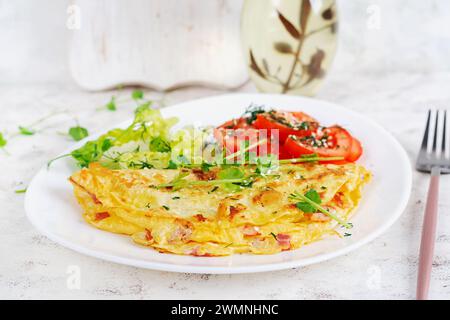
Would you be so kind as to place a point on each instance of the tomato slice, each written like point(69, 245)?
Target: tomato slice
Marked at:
point(356, 150)
point(233, 139)
point(283, 153)
point(231, 133)
point(287, 123)
point(329, 142)
point(301, 116)
point(240, 123)
point(298, 134)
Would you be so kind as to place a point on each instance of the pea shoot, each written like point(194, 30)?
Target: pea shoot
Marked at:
point(26, 131)
point(78, 133)
point(3, 140)
point(310, 202)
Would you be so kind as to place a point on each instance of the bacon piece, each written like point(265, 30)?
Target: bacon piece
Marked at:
point(284, 240)
point(183, 232)
point(148, 235)
point(201, 175)
point(339, 199)
point(200, 218)
point(101, 215)
point(234, 210)
point(94, 198)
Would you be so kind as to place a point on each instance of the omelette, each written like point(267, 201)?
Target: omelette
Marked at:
point(191, 211)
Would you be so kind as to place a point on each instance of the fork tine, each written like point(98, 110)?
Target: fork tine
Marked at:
point(444, 133)
point(435, 131)
point(427, 130)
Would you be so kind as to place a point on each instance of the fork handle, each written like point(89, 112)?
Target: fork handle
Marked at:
point(428, 236)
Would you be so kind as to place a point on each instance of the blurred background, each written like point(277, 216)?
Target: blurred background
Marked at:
point(403, 36)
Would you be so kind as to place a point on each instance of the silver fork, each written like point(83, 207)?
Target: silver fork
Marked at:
point(436, 162)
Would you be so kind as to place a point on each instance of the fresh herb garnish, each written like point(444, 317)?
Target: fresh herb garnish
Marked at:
point(265, 165)
point(303, 126)
point(91, 151)
point(137, 94)
point(111, 105)
point(294, 124)
point(310, 203)
point(306, 206)
point(26, 131)
point(3, 141)
point(172, 165)
point(315, 141)
point(274, 235)
point(166, 207)
point(235, 174)
point(231, 173)
point(206, 166)
point(251, 113)
point(230, 178)
point(21, 190)
point(78, 133)
point(310, 158)
point(244, 150)
point(347, 234)
point(175, 198)
point(213, 189)
point(140, 165)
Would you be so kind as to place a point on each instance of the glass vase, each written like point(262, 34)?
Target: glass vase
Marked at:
point(289, 45)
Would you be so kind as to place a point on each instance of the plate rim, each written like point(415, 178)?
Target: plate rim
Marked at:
point(397, 212)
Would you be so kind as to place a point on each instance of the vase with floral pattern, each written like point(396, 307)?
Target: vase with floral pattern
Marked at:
point(289, 45)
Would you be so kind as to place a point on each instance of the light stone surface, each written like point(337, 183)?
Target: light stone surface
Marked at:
point(391, 75)
point(34, 267)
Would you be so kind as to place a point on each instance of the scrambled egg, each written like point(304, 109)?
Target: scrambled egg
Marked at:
point(210, 221)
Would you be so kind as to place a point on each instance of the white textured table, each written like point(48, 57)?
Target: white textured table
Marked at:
point(31, 266)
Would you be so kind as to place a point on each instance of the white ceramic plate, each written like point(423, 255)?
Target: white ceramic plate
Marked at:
point(53, 210)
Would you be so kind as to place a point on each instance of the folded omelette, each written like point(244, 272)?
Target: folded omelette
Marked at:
point(208, 220)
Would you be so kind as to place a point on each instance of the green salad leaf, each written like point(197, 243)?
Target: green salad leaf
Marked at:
point(158, 144)
point(145, 143)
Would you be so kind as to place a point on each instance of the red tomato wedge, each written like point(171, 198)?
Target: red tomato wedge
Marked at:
point(287, 123)
point(231, 133)
point(234, 139)
point(240, 123)
point(298, 134)
point(329, 142)
point(301, 116)
point(283, 153)
point(356, 150)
